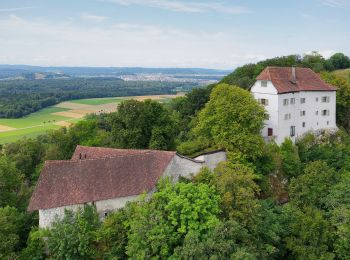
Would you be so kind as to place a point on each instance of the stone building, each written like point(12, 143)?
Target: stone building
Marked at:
point(296, 100)
point(108, 178)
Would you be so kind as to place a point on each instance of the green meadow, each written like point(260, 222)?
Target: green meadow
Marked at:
point(39, 122)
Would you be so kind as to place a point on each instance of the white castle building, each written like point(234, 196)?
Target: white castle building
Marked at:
point(297, 100)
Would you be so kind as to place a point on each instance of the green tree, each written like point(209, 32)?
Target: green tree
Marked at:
point(12, 190)
point(291, 163)
point(312, 187)
point(145, 124)
point(236, 186)
point(232, 119)
point(10, 226)
point(227, 240)
point(36, 245)
point(73, 236)
point(338, 61)
point(26, 154)
point(158, 226)
point(343, 98)
point(309, 234)
point(111, 237)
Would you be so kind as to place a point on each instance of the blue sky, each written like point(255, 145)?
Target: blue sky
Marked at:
point(163, 33)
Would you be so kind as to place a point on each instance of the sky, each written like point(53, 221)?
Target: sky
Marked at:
point(162, 33)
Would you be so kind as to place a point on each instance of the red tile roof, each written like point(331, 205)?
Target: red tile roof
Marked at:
point(306, 80)
point(110, 173)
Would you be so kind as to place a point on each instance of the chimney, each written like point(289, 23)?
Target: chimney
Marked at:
point(294, 76)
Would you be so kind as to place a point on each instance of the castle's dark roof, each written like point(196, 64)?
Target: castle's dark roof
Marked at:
point(104, 174)
point(306, 80)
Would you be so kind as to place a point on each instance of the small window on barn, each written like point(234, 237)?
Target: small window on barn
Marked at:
point(264, 83)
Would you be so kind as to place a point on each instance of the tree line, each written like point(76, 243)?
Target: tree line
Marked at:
point(244, 76)
point(22, 97)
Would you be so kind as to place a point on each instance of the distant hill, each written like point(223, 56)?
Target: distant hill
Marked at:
point(13, 71)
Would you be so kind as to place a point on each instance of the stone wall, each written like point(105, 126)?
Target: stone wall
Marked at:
point(103, 207)
point(211, 160)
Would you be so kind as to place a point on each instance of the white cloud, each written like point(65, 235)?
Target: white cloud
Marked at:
point(187, 7)
point(72, 43)
point(327, 53)
point(336, 3)
point(93, 18)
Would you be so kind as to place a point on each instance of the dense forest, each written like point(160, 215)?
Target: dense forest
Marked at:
point(21, 97)
point(266, 202)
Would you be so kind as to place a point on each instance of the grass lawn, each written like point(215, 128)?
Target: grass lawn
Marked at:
point(98, 101)
point(39, 122)
point(41, 117)
point(12, 136)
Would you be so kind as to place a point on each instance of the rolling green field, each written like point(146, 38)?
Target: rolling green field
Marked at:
point(41, 117)
point(61, 115)
point(97, 101)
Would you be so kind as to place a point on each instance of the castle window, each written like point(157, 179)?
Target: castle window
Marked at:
point(317, 113)
point(325, 112)
point(302, 100)
point(264, 83)
point(292, 131)
point(317, 99)
point(263, 101)
point(302, 113)
point(285, 101)
point(325, 99)
point(292, 101)
point(303, 124)
point(287, 116)
point(327, 122)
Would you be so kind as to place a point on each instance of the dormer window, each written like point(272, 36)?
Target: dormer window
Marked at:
point(264, 83)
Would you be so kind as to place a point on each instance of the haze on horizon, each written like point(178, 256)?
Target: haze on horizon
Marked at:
point(163, 33)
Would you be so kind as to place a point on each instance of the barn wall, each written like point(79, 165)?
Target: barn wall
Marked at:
point(47, 216)
point(211, 160)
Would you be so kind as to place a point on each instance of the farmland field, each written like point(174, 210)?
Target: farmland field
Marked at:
point(63, 114)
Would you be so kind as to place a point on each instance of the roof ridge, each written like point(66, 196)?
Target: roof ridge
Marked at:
point(96, 159)
point(121, 149)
